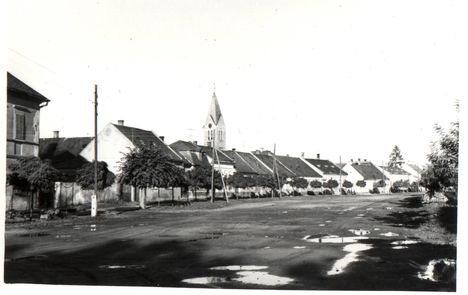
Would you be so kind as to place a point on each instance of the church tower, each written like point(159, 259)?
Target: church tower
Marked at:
point(214, 127)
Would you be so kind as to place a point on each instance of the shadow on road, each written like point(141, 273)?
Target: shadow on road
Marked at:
point(119, 263)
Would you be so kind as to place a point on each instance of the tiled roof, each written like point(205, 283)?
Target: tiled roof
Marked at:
point(395, 170)
point(195, 158)
point(326, 166)
point(268, 161)
point(298, 166)
point(140, 137)
point(223, 158)
point(368, 171)
point(182, 145)
point(16, 85)
point(246, 163)
point(64, 153)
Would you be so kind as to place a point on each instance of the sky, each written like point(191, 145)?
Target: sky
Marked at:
point(339, 78)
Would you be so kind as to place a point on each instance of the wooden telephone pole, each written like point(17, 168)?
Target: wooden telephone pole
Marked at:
point(94, 197)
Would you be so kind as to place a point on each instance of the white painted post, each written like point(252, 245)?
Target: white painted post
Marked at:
point(93, 205)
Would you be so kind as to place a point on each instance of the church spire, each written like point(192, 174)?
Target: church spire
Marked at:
point(214, 127)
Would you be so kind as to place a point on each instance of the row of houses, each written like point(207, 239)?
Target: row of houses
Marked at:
point(69, 154)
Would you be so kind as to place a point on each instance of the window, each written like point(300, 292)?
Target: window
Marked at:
point(20, 127)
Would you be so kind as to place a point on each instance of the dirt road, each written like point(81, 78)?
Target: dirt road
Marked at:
point(332, 243)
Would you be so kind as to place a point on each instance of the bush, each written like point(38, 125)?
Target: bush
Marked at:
point(310, 193)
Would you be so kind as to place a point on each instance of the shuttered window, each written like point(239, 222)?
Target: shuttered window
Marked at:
point(20, 121)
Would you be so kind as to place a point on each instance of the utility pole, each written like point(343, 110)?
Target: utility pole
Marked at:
point(213, 167)
point(340, 177)
point(222, 178)
point(94, 197)
point(275, 168)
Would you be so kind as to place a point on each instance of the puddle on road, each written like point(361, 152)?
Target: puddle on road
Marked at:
point(341, 264)
point(360, 232)
point(247, 274)
point(360, 215)
point(439, 270)
point(261, 278)
point(62, 236)
point(299, 247)
point(267, 247)
point(34, 235)
point(135, 266)
point(205, 280)
point(92, 227)
point(369, 209)
point(388, 208)
point(321, 224)
point(405, 242)
point(332, 239)
point(239, 267)
point(328, 221)
point(399, 247)
point(376, 229)
point(389, 234)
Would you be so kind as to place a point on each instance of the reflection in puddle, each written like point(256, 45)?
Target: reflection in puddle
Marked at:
point(342, 263)
point(239, 267)
point(122, 266)
point(205, 280)
point(247, 274)
point(389, 234)
point(439, 270)
point(405, 242)
point(334, 239)
point(399, 247)
point(261, 278)
point(360, 232)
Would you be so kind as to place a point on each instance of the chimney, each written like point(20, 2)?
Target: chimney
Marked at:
point(318, 156)
point(365, 160)
point(195, 142)
point(359, 159)
point(302, 155)
point(233, 149)
point(351, 160)
point(162, 138)
point(56, 134)
point(120, 122)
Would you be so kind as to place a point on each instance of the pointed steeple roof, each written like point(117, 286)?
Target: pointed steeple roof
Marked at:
point(215, 110)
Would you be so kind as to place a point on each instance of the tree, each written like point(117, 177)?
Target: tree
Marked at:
point(361, 183)
point(147, 166)
point(200, 177)
point(395, 158)
point(34, 175)
point(179, 179)
point(331, 183)
point(315, 184)
point(299, 182)
point(347, 184)
point(441, 175)
point(85, 176)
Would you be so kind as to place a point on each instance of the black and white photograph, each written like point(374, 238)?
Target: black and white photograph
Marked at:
point(212, 146)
